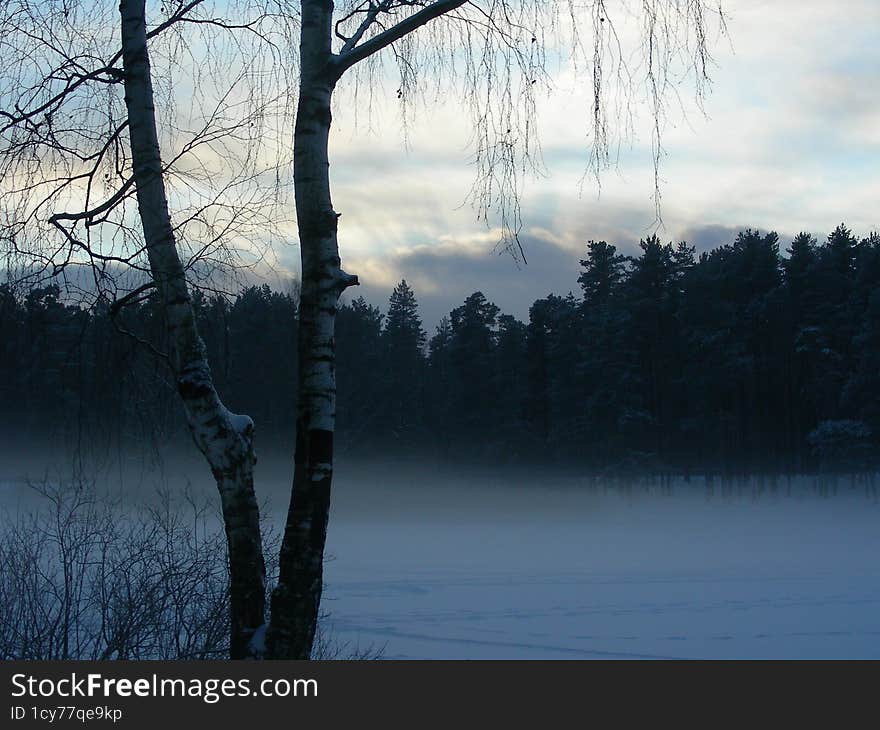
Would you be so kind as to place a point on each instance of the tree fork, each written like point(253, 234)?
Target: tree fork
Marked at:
point(296, 599)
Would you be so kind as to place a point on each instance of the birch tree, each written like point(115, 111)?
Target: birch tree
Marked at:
point(63, 129)
point(493, 57)
point(226, 439)
point(495, 53)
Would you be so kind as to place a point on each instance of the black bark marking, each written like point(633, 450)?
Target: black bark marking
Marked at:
point(320, 446)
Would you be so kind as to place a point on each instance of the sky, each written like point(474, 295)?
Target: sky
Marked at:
point(788, 140)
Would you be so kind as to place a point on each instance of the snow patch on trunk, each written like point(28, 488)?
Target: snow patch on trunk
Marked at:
point(242, 424)
point(257, 644)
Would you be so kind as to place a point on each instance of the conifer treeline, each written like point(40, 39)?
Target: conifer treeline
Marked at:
point(739, 360)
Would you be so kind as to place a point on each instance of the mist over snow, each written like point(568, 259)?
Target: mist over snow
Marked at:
point(646, 428)
point(513, 567)
point(530, 564)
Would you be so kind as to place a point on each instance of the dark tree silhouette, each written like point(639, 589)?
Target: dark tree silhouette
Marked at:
point(403, 345)
point(741, 361)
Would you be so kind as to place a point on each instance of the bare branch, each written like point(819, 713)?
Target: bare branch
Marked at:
point(409, 24)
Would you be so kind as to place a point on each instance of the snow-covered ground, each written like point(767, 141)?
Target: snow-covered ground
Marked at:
point(557, 571)
point(490, 566)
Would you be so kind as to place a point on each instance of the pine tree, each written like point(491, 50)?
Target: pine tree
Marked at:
point(603, 271)
point(360, 409)
point(649, 343)
point(801, 259)
point(683, 260)
point(403, 341)
point(840, 249)
point(472, 397)
point(403, 333)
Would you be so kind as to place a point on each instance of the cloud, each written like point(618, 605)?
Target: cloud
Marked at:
point(788, 142)
point(443, 275)
point(705, 237)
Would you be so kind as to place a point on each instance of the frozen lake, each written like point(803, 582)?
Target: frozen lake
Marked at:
point(561, 572)
point(482, 566)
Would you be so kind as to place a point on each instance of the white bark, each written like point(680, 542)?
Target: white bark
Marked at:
point(296, 599)
point(225, 439)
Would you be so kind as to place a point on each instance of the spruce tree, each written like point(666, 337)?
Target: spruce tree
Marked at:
point(403, 342)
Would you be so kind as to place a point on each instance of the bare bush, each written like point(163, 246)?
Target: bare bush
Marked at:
point(84, 578)
point(329, 647)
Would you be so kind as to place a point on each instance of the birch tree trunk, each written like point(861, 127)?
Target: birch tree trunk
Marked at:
point(295, 600)
point(225, 439)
